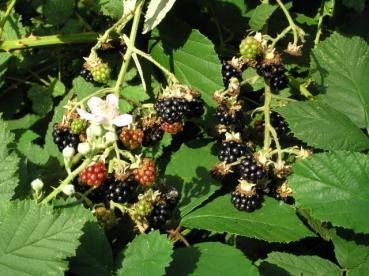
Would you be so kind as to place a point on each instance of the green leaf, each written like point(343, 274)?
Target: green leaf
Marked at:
point(321, 126)
point(42, 102)
point(94, 256)
point(57, 88)
point(23, 123)
point(357, 5)
point(360, 270)
point(335, 187)
point(34, 153)
point(13, 28)
point(253, 79)
point(189, 55)
point(148, 254)
point(274, 222)
point(35, 240)
point(348, 253)
point(9, 162)
point(303, 265)
point(205, 258)
point(340, 67)
point(193, 182)
point(260, 16)
point(156, 12)
point(53, 10)
point(111, 8)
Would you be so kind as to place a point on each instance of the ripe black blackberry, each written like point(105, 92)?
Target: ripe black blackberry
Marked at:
point(152, 134)
point(246, 202)
point(227, 117)
point(279, 196)
point(228, 71)
point(170, 196)
point(195, 108)
point(121, 191)
point(86, 74)
point(279, 124)
point(275, 73)
point(172, 110)
point(96, 196)
point(231, 150)
point(159, 215)
point(250, 170)
point(63, 137)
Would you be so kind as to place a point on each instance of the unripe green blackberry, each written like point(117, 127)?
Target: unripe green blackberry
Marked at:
point(77, 126)
point(249, 47)
point(101, 72)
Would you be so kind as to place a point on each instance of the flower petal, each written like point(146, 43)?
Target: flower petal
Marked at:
point(91, 117)
point(112, 100)
point(94, 104)
point(122, 120)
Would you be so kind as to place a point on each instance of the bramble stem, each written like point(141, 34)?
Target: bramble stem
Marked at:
point(153, 61)
point(9, 9)
point(131, 45)
point(280, 36)
point(37, 41)
point(267, 100)
point(66, 181)
point(277, 145)
point(290, 21)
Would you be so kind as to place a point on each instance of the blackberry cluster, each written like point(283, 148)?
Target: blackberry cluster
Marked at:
point(86, 74)
point(121, 191)
point(279, 124)
point(195, 108)
point(228, 72)
point(228, 117)
point(231, 151)
point(245, 202)
point(172, 110)
point(152, 134)
point(96, 196)
point(275, 73)
point(64, 137)
point(250, 170)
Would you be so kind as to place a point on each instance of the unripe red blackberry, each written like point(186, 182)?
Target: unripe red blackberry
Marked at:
point(145, 174)
point(131, 138)
point(94, 175)
point(172, 128)
point(64, 137)
point(171, 110)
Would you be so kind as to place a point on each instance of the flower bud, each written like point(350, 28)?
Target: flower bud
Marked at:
point(84, 148)
point(68, 190)
point(95, 130)
point(37, 185)
point(68, 152)
point(110, 137)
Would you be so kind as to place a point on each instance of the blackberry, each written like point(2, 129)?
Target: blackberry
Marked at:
point(275, 73)
point(250, 170)
point(96, 196)
point(249, 47)
point(246, 202)
point(195, 108)
point(231, 151)
point(152, 134)
point(101, 73)
point(121, 191)
point(279, 124)
point(86, 74)
point(228, 72)
point(170, 195)
point(64, 137)
point(278, 196)
point(160, 213)
point(227, 117)
point(78, 126)
point(172, 110)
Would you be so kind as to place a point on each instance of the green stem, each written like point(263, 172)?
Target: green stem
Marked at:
point(267, 100)
point(66, 181)
point(277, 144)
point(9, 9)
point(36, 41)
point(319, 27)
point(290, 21)
point(283, 98)
point(131, 46)
point(280, 36)
point(153, 61)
